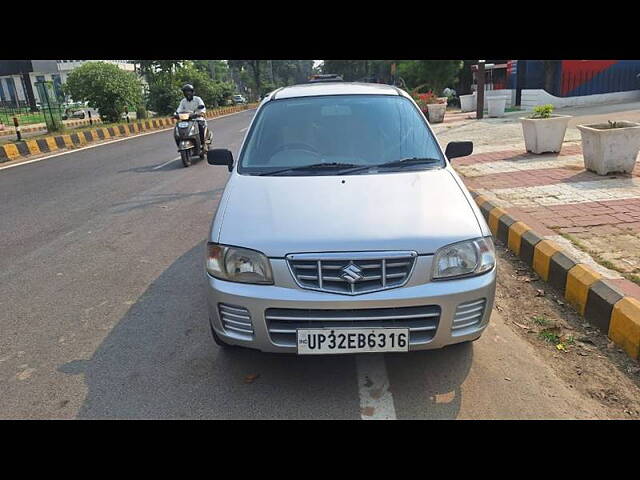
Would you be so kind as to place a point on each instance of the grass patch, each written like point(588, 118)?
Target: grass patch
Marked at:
point(633, 277)
point(549, 337)
point(541, 320)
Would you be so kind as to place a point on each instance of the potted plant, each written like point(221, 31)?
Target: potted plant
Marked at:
point(610, 147)
point(468, 102)
point(432, 106)
point(543, 131)
point(496, 106)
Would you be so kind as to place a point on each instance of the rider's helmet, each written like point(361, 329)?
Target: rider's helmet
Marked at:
point(188, 90)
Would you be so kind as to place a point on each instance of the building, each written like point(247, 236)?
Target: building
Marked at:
point(562, 82)
point(18, 77)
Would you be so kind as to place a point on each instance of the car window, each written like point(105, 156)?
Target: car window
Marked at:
point(356, 129)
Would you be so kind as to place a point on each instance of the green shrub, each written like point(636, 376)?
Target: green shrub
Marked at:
point(105, 87)
point(141, 112)
point(164, 95)
point(542, 111)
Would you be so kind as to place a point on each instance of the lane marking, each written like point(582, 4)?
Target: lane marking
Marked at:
point(244, 129)
point(26, 162)
point(376, 400)
point(166, 163)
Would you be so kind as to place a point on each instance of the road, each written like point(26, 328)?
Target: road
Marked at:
point(102, 311)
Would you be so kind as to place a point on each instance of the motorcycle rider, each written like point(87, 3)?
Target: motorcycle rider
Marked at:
point(190, 104)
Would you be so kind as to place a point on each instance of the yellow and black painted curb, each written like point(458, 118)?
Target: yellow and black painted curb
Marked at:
point(67, 123)
point(593, 296)
point(26, 148)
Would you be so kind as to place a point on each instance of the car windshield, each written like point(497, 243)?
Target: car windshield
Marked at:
point(342, 131)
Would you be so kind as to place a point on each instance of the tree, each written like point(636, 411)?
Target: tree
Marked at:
point(434, 75)
point(164, 94)
point(106, 87)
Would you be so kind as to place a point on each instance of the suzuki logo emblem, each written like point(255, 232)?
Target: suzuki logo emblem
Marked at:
point(352, 273)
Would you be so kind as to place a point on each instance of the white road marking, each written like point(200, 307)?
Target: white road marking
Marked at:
point(166, 163)
point(244, 129)
point(26, 162)
point(376, 400)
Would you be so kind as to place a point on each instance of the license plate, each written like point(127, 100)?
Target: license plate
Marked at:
point(183, 124)
point(351, 340)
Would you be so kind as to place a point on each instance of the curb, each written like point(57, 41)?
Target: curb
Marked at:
point(27, 129)
point(24, 149)
point(593, 296)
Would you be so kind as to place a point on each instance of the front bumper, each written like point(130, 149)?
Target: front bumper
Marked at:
point(256, 299)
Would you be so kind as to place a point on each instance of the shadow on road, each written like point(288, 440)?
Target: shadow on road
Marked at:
point(160, 362)
point(427, 384)
point(150, 199)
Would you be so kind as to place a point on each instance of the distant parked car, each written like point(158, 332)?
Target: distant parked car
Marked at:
point(239, 99)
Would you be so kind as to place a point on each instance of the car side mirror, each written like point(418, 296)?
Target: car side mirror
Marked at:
point(220, 156)
point(458, 149)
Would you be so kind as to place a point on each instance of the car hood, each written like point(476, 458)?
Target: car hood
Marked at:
point(420, 211)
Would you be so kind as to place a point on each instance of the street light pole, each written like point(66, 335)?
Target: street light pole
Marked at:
point(480, 91)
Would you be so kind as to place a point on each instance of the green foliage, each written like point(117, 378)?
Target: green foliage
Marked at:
point(542, 111)
point(429, 75)
point(549, 337)
point(141, 112)
point(106, 87)
point(360, 70)
point(540, 320)
point(164, 94)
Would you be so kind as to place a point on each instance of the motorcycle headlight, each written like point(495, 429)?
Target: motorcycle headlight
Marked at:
point(471, 257)
point(238, 264)
point(193, 130)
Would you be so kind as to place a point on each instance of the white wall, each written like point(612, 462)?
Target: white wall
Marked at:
point(533, 97)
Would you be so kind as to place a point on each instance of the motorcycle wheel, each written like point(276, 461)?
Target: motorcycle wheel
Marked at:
point(202, 153)
point(185, 155)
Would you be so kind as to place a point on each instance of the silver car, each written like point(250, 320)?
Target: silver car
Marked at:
point(343, 228)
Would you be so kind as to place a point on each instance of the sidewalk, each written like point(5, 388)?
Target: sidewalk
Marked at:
point(594, 219)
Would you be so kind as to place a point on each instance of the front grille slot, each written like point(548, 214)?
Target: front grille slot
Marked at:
point(236, 319)
point(374, 271)
point(468, 315)
point(422, 322)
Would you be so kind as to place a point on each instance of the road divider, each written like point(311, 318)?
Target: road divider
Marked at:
point(596, 298)
point(54, 143)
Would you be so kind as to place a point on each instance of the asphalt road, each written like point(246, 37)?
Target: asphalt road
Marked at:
point(102, 310)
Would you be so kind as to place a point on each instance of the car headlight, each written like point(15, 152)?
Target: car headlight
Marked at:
point(238, 264)
point(471, 257)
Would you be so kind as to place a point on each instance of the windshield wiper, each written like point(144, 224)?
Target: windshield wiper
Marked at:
point(398, 163)
point(311, 167)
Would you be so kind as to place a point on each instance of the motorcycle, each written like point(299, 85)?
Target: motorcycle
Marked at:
point(187, 137)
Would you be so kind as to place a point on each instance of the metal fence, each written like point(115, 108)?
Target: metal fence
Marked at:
point(21, 110)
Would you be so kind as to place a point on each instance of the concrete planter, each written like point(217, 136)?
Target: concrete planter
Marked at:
point(610, 150)
point(436, 112)
point(544, 134)
point(468, 103)
point(496, 106)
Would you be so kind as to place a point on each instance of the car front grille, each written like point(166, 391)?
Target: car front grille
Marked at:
point(468, 315)
point(351, 273)
point(422, 322)
point(236, 319)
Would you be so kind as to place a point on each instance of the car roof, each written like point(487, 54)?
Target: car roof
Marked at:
point(335, 88)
